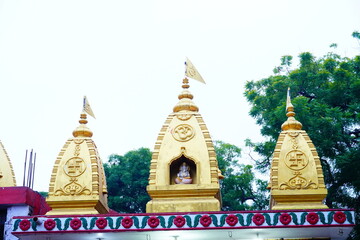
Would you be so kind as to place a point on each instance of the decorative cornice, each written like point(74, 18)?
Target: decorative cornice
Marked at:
point(180, 221)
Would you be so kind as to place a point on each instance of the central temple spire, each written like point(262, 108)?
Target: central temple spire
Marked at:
point(184, 173)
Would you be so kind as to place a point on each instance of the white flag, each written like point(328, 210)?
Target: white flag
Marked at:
point(191, 71)
point(87, 107)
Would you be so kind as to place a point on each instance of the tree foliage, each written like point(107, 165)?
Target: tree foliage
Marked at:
point(325, 92)
point(127, 178)
point(240, 189)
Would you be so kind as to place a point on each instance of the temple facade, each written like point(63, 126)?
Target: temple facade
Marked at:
point(184, 189)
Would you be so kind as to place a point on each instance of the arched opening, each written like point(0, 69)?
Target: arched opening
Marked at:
point(175, 168)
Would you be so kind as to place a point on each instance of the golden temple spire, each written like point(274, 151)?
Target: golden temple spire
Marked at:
point(185, 98)
point(296, 177)
point(291, 123)
point(184, 174)
point(7, 176)
point(78, 183)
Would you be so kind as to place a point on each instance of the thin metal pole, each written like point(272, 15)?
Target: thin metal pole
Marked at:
point(29, 169)
point(33, 172)
point(25, 167)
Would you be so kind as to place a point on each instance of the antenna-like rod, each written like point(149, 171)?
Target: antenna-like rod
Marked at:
point(30, 169)
point(25, 167)
point(33, 172)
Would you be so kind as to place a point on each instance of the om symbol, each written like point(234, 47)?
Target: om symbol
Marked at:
point(183, 133)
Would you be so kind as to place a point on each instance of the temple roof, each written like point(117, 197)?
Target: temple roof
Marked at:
point(296, 177)
point(78, 181)
point(184, 138)
point(7, 176)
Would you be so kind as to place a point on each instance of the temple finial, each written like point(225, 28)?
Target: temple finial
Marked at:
point(291, 123)
point(185, 98)
point(82, 130)
point(289, 106)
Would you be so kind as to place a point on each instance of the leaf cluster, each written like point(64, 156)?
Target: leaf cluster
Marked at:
point(240, 189)
point(127, 178)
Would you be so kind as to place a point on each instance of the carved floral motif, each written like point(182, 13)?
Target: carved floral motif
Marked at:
point(339, 217)
point(72, 188)
point(24, 224)
point(258, 219)
point(153, 222)
point(312, 218)
point(127, 222)
point(285, 218)
point(101, 223)
point(232, 220)
point(298, 182)
point(49, 224)
point(205, 220)
point(75, 223)
point(179, 221)
point(183, 116)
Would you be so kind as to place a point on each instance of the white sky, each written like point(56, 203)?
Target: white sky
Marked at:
point(128, 58)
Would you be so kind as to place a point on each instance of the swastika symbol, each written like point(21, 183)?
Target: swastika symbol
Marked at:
point(74, 167)
point(296, 160)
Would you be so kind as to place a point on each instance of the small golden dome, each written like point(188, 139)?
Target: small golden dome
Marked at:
point(82, 130)
point(185, 98)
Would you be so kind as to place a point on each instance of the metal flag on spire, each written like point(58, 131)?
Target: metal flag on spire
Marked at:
point(191, 71)
point(87, 108)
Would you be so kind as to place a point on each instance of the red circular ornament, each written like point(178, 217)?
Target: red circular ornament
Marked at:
point(75, 223)
point(101, 223)
point(312, 218)
point(49, 224)
point(153, 222)
point(127, 222)
point(179, 221)
point(25, 224)
point(231, 219)
point(285, 218)
point(339, 217)
point(205, 220)
point(258, 219)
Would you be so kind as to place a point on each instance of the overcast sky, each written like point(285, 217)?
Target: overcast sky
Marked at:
point(128, 58)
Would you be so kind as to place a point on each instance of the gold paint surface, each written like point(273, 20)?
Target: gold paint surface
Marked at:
point(296, 177)
point(184, 137)
point(7, 176)
point(78, 183)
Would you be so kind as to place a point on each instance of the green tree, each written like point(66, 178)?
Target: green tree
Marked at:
point(127, 178)
point(326, 94)
point(240, 189)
